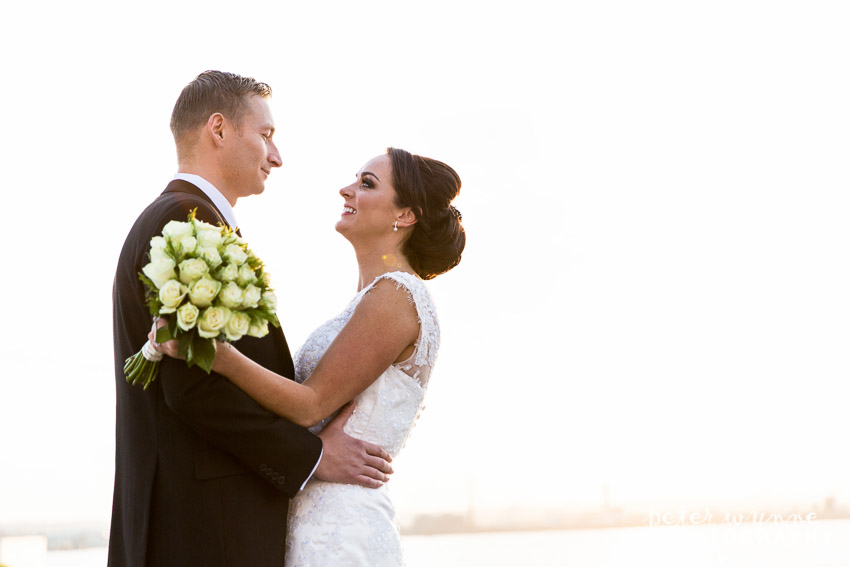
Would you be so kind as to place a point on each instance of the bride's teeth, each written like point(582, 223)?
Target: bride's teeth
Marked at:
point(349, 210)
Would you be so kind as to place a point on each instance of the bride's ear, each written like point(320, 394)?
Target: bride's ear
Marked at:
point(406, 218)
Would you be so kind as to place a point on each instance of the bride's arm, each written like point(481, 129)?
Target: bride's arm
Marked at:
point(382, 327)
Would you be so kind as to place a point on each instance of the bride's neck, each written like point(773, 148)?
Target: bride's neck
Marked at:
point(373, 262)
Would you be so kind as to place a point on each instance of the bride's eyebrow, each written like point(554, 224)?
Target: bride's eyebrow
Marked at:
point(369, 173)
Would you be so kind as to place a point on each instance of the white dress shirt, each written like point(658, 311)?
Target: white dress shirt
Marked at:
point(227, 212)
point(214, 194)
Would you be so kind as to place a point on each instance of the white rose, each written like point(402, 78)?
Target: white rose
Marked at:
point(187, 316)
point(203, 291)
point(231, 296)
point(170, 295)
point(237, 326)
point(160, 271)
point(175, 231)
point(229, 272)
point(211, 255)
point(270, 300)
point(252, 297)
point(208, 235)
point(266, 279)
point(258, 330)
point(188, 245)
point(203, 225)
point(212, 321)
point(235, 254)
point(159, 254)
point(158, 246)
point(246, 275)
point(192, 269)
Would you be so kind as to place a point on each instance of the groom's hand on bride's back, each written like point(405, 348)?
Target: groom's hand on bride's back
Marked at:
point(349, 460)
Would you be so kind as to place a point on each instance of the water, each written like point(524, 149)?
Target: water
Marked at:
point(817, 544)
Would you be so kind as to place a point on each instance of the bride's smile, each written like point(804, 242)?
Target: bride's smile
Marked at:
point(370, 203)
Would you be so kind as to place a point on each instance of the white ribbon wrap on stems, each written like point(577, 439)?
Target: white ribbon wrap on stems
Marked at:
point(150, 353)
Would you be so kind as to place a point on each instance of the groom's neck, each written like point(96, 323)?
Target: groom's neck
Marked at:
point(212, 175)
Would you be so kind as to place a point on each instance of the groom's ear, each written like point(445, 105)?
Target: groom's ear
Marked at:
point(215, 128)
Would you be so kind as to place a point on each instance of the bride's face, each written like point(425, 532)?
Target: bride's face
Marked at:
point(369, 207)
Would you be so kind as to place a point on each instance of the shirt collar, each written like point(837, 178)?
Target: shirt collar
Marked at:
point(214, 194)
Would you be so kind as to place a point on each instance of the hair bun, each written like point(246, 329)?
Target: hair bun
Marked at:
point(428, 187)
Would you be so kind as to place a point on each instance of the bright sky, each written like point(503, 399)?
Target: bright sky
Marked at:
point(654, 294)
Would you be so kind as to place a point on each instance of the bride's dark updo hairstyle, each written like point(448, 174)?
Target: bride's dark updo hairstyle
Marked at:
point(428, 186)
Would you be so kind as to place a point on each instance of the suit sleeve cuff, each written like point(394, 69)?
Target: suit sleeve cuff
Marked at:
point(314, 469)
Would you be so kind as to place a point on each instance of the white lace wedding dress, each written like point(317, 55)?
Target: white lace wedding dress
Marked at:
point(342, 525)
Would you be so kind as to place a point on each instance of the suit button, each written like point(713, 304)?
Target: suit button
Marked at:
point(281, 480)
point(275, 476)
point(264, 467)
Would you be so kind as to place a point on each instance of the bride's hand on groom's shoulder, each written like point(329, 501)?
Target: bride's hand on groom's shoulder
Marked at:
point(351, 461)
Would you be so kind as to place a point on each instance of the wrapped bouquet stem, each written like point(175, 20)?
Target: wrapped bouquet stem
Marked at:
point(210, 286)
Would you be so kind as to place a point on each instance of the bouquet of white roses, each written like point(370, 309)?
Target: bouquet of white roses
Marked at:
point(211, 287)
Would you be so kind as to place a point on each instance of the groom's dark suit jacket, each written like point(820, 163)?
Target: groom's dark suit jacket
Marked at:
point(203, 474)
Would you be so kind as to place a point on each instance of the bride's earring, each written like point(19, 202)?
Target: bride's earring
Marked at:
point(395, 226)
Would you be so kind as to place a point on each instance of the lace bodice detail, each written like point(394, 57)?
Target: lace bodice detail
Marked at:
point(387, 410)
point(345, 524)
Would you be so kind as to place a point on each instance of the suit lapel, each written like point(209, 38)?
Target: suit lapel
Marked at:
point(180, 186)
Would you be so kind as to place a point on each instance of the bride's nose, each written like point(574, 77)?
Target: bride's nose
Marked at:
point(346, 192)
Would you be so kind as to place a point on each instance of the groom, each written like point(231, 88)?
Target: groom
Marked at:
point(203, 474)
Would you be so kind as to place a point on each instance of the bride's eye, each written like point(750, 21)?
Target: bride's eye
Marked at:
point(366, 182)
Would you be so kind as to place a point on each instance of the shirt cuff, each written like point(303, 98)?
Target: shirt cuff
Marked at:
point(314, 470)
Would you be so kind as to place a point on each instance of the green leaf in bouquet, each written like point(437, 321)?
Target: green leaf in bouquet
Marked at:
point(258, 314)
point(147, 281)
point(163, 334)
point(151, 295)
point(203, 352)
point(184, 344)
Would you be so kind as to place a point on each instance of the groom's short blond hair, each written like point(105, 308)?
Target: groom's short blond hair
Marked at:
point(211, 92)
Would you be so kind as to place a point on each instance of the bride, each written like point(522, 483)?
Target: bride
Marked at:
point(378, 352)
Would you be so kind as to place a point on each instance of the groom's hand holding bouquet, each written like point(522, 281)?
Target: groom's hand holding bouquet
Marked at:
point(213, 288)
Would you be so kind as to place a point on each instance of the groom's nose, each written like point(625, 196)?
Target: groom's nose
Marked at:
point(274, 156)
